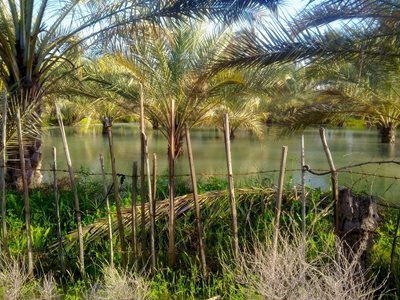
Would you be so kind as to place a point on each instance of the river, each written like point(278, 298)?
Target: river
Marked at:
point(249, 154)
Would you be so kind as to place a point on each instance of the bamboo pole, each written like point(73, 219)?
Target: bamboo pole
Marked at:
point(133, 210)
point(154, 177)
point(116, 194)
point(199, 228)
point(303, 188)
point(171, 185)
point(335, 188)
point(396, 235)
point(142, 176)
point(57, 212)
point(26, 193)
point(153, 209)
point(4, 235)
point(78, 214)
point(278, 203)
point(151, 212)
point(109, 221)
point(232, 199)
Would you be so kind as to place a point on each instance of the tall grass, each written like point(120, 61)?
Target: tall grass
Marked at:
point(16, 283)
point(291, 274)
point(119, 285)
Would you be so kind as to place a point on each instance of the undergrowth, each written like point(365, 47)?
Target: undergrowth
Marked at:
point(255, 215)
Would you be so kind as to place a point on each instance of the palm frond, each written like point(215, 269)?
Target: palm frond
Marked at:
point(183, 205)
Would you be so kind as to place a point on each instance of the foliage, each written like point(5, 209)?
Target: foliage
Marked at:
point(185, 281)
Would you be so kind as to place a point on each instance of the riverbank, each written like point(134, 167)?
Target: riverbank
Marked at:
point(185, 280)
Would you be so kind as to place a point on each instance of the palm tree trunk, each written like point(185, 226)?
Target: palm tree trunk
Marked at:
point(33, 159)
point(178, 147)
point(232, 133)
point(29, 104)
point(104, 127)
point(388, 134)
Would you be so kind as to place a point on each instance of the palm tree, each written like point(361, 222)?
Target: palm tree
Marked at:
point(40, 41)
point(244, 114)
point(173, 67)
point(342, 90)
point(366, 30)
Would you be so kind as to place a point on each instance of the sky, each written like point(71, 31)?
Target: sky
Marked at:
point(293, 6)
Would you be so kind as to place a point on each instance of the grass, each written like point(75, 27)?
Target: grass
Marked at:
point(185, 280)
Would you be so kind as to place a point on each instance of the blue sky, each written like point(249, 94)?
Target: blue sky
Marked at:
point(293, 6)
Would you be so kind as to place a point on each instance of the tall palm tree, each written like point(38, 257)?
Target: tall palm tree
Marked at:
point(39, 42)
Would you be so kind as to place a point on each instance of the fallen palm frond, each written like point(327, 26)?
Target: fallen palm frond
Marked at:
point(183, 204)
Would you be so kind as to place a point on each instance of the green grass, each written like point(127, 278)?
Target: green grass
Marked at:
point(185, 280)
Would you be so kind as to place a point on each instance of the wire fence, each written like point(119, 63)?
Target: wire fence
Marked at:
point(349, 169)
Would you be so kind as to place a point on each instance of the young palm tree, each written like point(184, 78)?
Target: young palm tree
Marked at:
point(173, 66)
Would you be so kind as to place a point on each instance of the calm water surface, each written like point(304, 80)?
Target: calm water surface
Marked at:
point(348, 146)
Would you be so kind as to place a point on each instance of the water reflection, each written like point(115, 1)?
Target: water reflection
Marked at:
point(248, 153)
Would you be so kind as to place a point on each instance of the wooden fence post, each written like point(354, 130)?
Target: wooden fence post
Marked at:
point(142, 175)
point(110, 230)
point(133, 210)
point(57, 212)
point(4, 238)
point(26, 194)
point(394, 243)
point(335, 187)
point(202, 254)
point(74, 190)
point(278, 203)
point(303, 188)
point(151, 212)
point(231, 186)
point(152, 206)
point(116, 194)
point(154, 177)
point(171, 186)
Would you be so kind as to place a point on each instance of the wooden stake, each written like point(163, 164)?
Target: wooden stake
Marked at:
point(109, 221)
point(154, 177)
point(303, 188)
point(57, 212)
point(235, 245)
point(199, 228)
point(171, 185)
point(335, 187)
point(151, 211)
point(133, 210)
point(142, 176)
point(395, 237)
point(278, 203)
point(4, 237)
point(116, 194)
point(74, 190)
point(26, 194)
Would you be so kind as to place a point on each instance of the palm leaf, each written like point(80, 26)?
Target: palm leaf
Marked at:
point(183, 205)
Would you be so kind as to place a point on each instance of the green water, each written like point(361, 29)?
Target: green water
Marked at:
point(348, 146)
